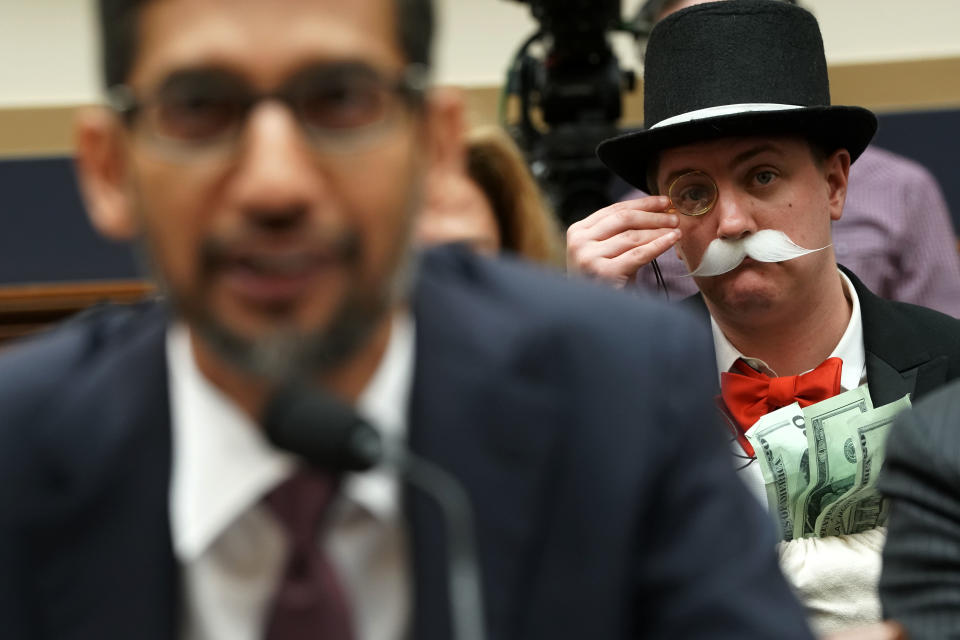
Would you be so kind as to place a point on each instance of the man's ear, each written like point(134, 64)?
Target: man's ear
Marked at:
point(447, 129)
point(101, 165)
point(837, 171)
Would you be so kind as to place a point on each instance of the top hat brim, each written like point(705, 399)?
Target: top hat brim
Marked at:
point(830, 127)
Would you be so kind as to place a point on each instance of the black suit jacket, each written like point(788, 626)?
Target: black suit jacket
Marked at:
point(576, 419)
point(909, 349)
point(920, 582)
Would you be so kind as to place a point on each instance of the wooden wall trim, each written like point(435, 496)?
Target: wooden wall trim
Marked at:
point(915, 85)
point(43, 297)
point(885, 87)
point(37, 131)
point(26, 309)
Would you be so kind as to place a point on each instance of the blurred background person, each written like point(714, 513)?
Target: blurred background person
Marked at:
point(493, 205)
point(896, 232)
point(920, 580)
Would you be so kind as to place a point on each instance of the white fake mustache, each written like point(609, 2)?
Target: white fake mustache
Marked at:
point(767, 245)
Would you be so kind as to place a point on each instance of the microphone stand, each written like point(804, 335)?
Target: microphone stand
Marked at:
point(463, 570)
point(329, 434)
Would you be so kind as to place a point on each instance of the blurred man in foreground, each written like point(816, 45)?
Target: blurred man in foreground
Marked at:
point(271, 157)
point(751, 162)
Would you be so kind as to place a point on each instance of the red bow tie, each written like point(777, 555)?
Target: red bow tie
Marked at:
point(750, 395)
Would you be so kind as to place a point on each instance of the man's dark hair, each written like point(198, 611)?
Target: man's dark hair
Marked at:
point(119, 21)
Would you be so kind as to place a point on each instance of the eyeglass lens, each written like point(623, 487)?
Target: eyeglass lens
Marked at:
point(201, 107)
point(198, 106)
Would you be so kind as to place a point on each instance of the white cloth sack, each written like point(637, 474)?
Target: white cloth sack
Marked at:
point(836, 578)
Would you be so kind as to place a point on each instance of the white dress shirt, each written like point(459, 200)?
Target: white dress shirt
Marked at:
point(850, 349)
point(230, 547)
point(835, 577)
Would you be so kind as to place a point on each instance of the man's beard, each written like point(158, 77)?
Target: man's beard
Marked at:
point(767, 245)
point(289, 353)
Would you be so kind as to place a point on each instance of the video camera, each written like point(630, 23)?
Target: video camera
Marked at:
point(570, 100)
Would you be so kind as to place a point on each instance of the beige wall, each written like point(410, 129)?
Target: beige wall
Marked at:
point(46, 52)
point(857, 31)
point(482, 34)
point(47, 46)
point(880, 56)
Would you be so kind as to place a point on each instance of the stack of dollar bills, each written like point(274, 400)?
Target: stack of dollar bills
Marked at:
point(820, 464)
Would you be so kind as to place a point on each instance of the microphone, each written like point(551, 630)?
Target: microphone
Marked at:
point(328, 433)
point(322, 429)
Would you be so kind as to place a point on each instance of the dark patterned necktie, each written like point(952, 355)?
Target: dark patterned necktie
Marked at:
point(310, 603)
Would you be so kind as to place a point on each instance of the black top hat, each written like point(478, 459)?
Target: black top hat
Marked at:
point(735, 68)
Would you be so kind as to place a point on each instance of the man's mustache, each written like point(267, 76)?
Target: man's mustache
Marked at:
point(767, 245)
point(341, 247)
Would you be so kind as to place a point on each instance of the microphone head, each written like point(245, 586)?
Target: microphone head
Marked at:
point(323, 430)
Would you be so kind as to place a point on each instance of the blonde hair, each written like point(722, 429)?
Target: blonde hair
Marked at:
point(527, 226)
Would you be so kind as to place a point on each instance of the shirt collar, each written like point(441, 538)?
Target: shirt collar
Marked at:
point(850, 348)
point(223, 464)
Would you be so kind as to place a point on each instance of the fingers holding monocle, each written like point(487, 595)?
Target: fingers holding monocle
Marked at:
point(613, 243)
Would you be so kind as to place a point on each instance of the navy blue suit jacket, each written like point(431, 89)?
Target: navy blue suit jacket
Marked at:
point(578, 421)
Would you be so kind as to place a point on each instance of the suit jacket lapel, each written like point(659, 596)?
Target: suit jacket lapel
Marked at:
point(479, 412)
point(899, 360)
point(115, 576)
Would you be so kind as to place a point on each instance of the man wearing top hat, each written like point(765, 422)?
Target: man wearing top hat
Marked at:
point(740, 132)
point(896, 232)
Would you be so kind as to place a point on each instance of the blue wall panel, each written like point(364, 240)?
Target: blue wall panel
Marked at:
point(45, 236)
point(44, 233)
point(933, 139)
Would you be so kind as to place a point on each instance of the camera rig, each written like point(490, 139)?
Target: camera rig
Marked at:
point(569, 100)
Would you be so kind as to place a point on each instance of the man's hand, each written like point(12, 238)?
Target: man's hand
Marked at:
point(613, 243)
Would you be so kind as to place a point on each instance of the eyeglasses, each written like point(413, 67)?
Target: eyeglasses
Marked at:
point(693, 194)
point(341, 108)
